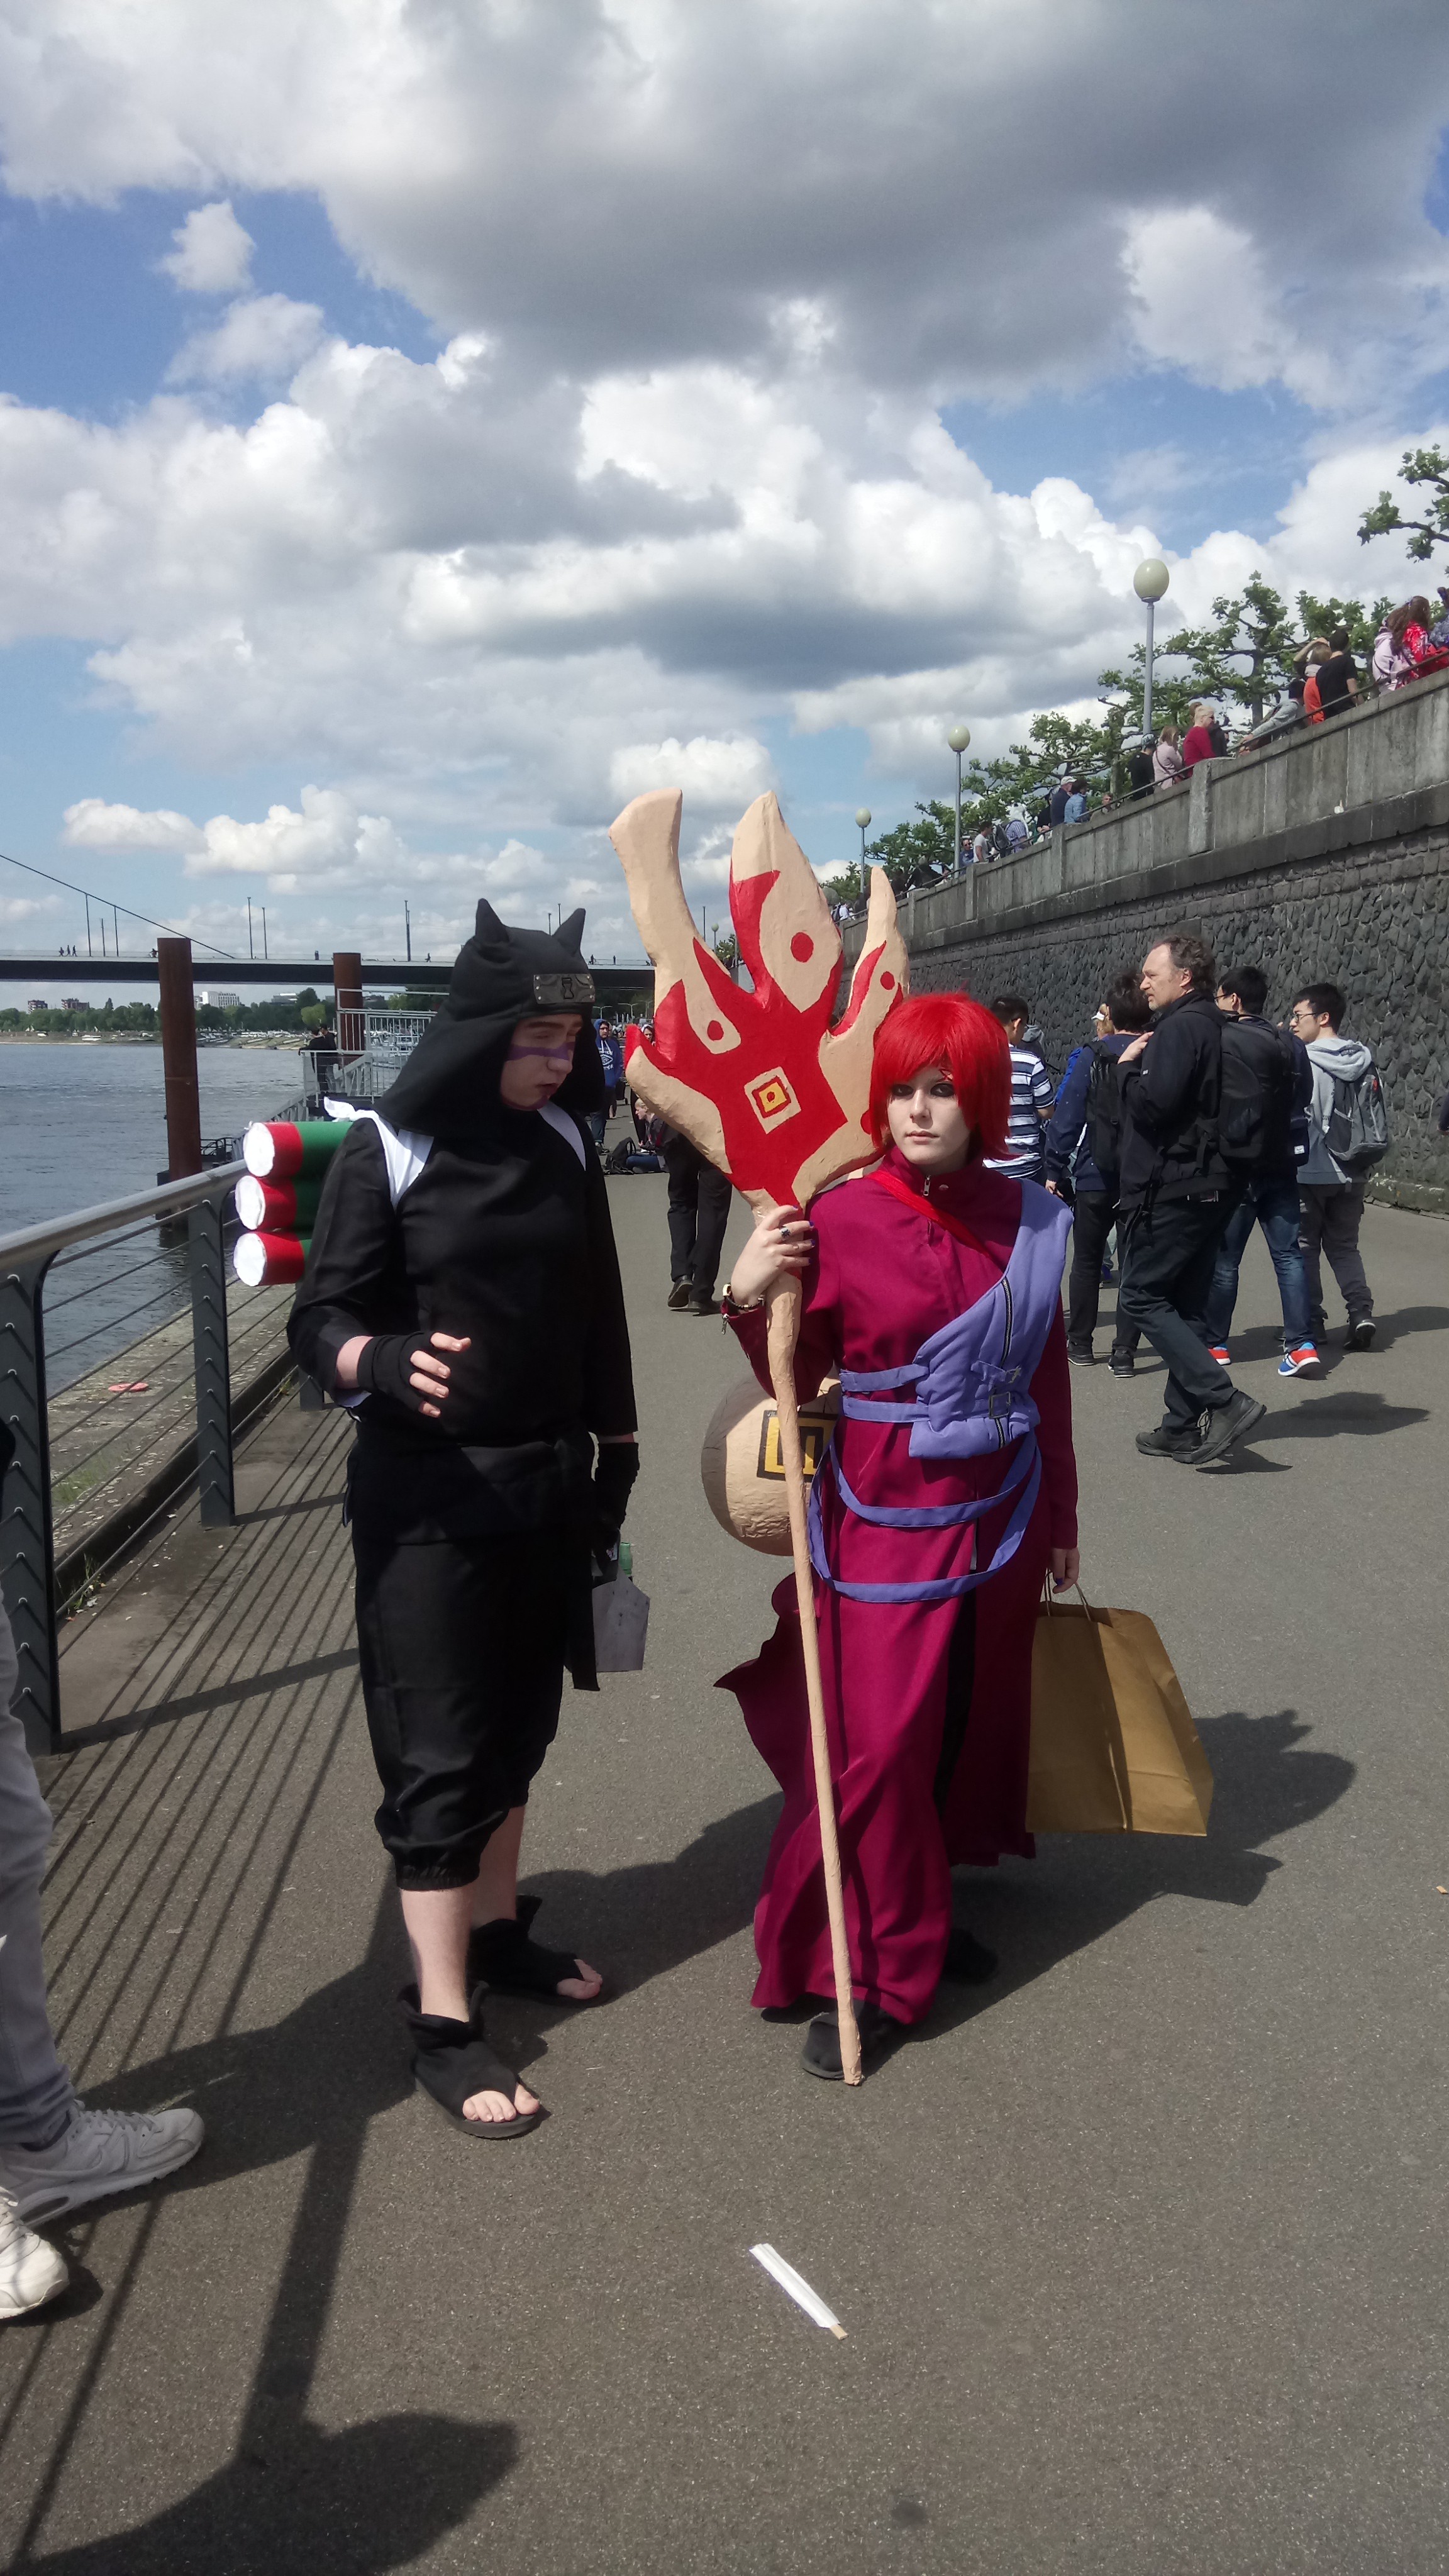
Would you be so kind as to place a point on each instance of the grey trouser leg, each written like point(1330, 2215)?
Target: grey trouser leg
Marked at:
point(35, 2090)
point(1330, 1215)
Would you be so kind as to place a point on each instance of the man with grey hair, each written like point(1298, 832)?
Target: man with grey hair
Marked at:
point(1176, 1196)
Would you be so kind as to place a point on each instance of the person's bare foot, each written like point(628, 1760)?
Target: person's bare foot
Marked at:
point(486, 2107)
point(582, 1988)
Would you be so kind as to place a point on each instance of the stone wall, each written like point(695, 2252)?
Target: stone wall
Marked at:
point(1279, 872)
point(1376, 924)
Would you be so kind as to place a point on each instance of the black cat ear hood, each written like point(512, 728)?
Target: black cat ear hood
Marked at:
point(449, 1084)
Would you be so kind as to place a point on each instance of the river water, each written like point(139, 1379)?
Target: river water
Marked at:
point(82, 1124)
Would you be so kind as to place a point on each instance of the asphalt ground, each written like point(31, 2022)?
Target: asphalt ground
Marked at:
point(1139, 2249)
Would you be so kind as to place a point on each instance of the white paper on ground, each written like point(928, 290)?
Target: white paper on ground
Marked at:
point(797, 2289)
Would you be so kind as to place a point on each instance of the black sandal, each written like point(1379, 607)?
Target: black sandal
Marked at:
point(821, 2052)
point(503, 1957)
point(968, 1962)
point(452, 2060)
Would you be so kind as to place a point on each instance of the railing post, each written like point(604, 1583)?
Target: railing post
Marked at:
point(213, 1370)
point(27, 1551)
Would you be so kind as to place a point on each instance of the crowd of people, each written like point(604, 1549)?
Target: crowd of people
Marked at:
point(1325, 682)
point(1185, 1120)
point(463, 1302)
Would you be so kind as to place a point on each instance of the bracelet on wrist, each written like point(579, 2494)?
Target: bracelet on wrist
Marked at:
point(738, 1305)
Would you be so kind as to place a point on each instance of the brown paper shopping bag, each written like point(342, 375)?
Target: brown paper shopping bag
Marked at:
point(1113, 1749)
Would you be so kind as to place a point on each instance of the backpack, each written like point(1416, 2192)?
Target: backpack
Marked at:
point(1104, 1112)
point(1255, 1113)
point(1357, 1135)
point(1001, 840)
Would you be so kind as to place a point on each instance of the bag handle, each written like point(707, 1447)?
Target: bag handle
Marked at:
point(1053, 1600)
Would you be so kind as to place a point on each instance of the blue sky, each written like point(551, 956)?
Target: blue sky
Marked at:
point(677, 472)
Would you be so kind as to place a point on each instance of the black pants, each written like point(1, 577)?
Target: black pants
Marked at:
point(461, 1644)
point(699, 1208)
point(1093, 1217)
point(1168, 1255)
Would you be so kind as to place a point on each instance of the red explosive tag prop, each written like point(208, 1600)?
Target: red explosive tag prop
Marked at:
point(759, 1081)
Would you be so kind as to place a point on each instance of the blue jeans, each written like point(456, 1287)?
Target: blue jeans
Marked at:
point(35, 2094)
point(1271, 1203)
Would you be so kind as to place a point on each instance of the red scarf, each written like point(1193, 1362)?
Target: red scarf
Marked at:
point(933, 1214)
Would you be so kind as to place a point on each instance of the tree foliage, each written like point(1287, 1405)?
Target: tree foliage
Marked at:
point(1255, 630)
point(1425, 468)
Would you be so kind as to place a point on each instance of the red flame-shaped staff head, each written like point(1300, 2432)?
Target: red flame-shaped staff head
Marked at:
point(759, 1081)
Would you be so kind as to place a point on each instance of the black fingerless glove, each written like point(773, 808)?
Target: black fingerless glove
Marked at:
point(385, 1367)
point(614, 1474)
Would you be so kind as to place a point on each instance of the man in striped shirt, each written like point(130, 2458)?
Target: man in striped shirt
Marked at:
point(1031, 1096)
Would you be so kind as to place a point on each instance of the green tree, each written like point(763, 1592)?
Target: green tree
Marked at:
point(915, 853)
point(1426, 467)
point(1320, 616)
point(1125, 692)
point(1255, 629)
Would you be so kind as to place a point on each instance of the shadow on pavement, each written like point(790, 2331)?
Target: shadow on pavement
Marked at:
point(1267, 1781)
point(1322, 1417)
point(324, 2071)
point(1408, 1319)
point(352, 2503)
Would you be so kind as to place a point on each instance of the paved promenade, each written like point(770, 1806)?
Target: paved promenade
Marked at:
point(1140, 2250)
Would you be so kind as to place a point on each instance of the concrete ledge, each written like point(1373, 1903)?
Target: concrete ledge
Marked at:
point(1301, 845)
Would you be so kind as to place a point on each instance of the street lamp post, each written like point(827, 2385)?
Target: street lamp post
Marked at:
point(1150, 583)
point(958, 740)
point(862, 817)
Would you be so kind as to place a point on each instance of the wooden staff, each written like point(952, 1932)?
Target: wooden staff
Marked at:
point(784, 1300)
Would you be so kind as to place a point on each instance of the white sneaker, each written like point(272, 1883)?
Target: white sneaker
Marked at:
point(30, 2270)
point(101, 2152)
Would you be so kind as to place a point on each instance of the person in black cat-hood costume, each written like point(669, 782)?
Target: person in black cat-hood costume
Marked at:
point(462, 1295)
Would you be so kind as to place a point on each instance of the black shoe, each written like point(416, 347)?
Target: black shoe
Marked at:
point(1228, 1423)
point(968, 1962)
point(700, 1304)
point(679, 1296)
point(1360, 1336)
point(821, 2052)
point(1122, 1363)
point(1081, 1354)
point(1164, 1442)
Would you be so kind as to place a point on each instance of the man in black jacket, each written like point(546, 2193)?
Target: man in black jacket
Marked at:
point(1176, 1197)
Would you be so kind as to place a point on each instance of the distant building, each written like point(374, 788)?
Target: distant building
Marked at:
point(72, 1002)
point(41, 1005)
point(220, 1001)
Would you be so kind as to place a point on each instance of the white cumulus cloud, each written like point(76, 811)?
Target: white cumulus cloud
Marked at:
point(708, 280)
point(92, 824)
point(262, 335)
point(709, 774)
point(213, 253)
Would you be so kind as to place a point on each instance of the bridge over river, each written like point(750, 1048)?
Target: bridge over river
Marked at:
point(1140, 2250)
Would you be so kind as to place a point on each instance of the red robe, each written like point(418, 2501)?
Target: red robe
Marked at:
point(883, 1279)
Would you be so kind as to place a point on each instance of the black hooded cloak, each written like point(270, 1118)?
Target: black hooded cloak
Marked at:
point(504, 1237)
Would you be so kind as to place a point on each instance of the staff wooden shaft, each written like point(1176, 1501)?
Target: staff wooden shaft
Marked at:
point(785, 1298)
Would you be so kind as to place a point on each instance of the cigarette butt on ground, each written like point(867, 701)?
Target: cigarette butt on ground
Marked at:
point(796, 2287)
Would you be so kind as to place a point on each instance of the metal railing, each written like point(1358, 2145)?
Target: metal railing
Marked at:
point(118, 1401)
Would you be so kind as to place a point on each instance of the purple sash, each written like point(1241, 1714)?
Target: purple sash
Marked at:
point(972, 1398)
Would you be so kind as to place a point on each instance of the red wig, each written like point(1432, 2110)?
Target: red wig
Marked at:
point(949, 1030)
